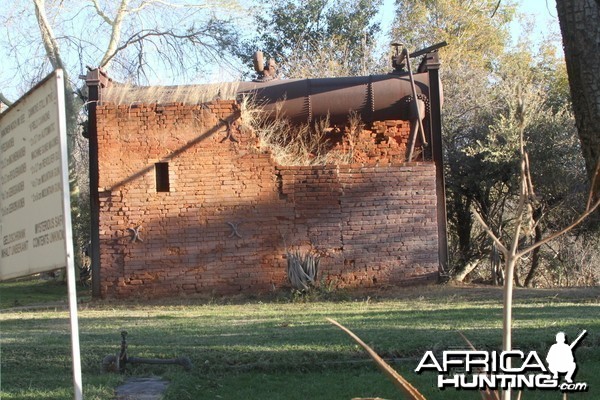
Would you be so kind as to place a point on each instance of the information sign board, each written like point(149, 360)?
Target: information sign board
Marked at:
point(34, 189)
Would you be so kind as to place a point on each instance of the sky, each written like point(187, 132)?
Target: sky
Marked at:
point(542, 13)
point(546, 18)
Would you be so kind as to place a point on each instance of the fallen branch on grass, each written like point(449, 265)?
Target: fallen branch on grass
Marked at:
point(486, 394)
point(388, 371)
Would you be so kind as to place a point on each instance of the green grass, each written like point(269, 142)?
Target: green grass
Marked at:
point(278, 349)
point(26, 292)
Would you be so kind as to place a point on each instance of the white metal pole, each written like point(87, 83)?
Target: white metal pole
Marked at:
point(71, 281)
point(75, 350)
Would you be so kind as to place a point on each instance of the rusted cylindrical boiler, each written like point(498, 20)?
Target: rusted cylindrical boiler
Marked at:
point(374, 97)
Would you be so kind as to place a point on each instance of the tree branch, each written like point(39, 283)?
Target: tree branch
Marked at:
point(48, 38)
point(4, 100)
point(589, 209)
point(498, 6)
point(100, 12)
point(171, 5)
point(524, 194)
point(115, 35)
point(593, 184)
point(561, 232)
point(409, 390)
point(520, 209)
point(145, 34)
point(491, 234)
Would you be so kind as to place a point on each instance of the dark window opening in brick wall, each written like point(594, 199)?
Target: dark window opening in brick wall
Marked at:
point(162, 177)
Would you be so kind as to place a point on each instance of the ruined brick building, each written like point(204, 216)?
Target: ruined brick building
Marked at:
point(186, 201)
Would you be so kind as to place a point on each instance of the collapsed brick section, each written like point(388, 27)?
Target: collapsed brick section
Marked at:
point(230, 213)
point(385, 142)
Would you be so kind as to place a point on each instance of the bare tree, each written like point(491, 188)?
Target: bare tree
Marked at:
point(177, 46)
point(134, 40)
point(53, 55)
point(512, 251)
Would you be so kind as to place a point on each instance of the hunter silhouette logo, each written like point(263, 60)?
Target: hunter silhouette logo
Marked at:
point(482, 370)
point(560, 356)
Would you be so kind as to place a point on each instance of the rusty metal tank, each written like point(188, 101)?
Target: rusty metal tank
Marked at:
point(374, 97)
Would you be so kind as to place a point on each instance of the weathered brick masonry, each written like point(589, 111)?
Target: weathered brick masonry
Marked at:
point(229, 213)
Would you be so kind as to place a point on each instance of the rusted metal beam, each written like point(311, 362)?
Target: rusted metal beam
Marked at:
point(429, 49)
point(435, 120)
point(95, 80)
point(93, 84)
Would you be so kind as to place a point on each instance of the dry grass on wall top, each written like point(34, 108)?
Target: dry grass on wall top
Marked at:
point(127, 94)
point(301, 145)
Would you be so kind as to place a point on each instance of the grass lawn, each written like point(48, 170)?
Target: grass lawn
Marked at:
point(27, 292)
point(277, 348)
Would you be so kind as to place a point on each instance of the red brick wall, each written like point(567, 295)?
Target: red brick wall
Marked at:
point(231, 212)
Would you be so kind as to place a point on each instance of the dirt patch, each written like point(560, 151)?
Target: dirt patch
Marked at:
point(142, 389)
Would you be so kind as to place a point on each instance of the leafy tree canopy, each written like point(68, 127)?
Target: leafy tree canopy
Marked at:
point(316, 37)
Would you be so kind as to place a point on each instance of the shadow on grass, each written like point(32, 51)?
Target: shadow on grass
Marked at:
point(282, 351)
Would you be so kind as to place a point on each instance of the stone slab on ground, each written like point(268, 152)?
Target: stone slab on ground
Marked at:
point(142, 389)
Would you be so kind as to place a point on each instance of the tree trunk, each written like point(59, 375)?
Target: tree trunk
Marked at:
point(463, 223)
point(580, 28)
point(535, 254)
point(469, 266)
point(510, 265)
